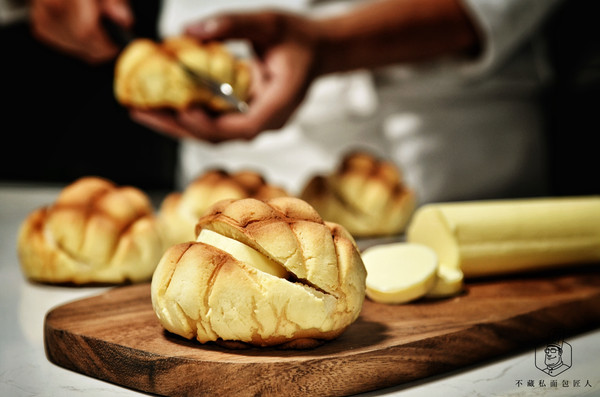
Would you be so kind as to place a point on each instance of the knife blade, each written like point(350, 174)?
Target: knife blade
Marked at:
point(123, 37)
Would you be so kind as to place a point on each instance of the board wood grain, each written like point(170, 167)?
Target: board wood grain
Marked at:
point(116, 337)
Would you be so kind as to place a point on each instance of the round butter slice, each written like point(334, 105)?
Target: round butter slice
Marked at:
point(399, 272)
point(242, 252)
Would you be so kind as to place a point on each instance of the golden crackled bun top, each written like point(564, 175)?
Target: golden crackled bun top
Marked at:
point(148, 74)
point(366, 194)
point(311, 290)
point(179, 212)
point(95, 231)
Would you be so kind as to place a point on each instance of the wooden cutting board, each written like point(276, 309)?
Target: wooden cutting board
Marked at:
point(116, 337)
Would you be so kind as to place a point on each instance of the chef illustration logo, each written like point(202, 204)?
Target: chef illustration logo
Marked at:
point(555, 358)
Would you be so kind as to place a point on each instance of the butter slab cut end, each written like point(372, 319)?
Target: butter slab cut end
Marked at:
point(430, 227)
point(399, 272)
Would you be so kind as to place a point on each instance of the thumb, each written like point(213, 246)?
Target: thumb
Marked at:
point(119, 11)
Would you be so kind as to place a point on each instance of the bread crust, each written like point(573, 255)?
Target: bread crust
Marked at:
point(365, 194)
point(95, 232)
point(148, 75)
point(179, 212)
point(202, 292)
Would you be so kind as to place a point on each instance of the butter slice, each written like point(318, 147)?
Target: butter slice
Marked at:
point(242, 252)
point(399, 272)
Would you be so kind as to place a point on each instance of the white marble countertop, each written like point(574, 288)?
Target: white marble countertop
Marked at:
point(25, 370)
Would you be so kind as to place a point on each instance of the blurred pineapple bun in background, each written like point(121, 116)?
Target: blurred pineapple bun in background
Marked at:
point(149, 75)
point(365, 194)
point(179, 212)
point(95, 232)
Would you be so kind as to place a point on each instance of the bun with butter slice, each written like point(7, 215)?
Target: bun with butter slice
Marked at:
point(261, 273)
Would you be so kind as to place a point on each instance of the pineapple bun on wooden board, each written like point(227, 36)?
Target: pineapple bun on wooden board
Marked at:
point(288, 279)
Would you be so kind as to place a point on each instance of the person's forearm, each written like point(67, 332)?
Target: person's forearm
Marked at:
point(394, 31)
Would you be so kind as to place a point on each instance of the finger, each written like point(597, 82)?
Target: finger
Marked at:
point(119, 11)
point(94, 42)
point(72, 28)
point(257, 27)
point(271, 107)
point(160, 122)
point(193, 123)
point(269, 110)
point(87, 36)
point(207, 128)
point(259, 118)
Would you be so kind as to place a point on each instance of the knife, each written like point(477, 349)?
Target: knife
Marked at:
point(122, 37)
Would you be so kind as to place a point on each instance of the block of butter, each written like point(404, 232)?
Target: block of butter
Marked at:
point(499, 237)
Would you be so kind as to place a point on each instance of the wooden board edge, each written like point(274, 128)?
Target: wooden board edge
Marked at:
point(393, 366)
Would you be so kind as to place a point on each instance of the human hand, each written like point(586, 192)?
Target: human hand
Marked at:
point(74, 26)
point(285, 46)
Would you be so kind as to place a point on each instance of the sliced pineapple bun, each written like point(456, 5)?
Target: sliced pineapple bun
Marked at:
point(261, 273)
